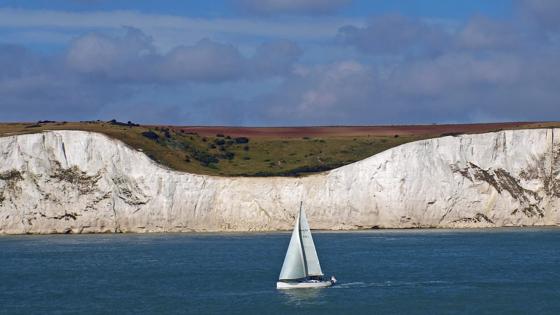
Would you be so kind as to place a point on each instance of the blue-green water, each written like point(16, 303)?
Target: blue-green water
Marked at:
point(381, 272)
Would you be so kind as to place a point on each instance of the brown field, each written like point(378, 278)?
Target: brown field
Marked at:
point(351, 131)
point(263, 151)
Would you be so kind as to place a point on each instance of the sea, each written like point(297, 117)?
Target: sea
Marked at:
point(490, 271)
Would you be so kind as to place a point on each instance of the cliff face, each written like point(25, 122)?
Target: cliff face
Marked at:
point(80, 182)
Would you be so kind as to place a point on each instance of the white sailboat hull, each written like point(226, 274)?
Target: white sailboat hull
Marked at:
point(309, 284)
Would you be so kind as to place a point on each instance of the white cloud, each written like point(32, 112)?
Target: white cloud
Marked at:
point(395, 34)
point(545, 13)
point(133, 58)
point(319, 94)
point(205, 61)
point(275, 57)
point(97, 53)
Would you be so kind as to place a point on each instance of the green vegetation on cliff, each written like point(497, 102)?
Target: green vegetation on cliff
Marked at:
point(231, 151)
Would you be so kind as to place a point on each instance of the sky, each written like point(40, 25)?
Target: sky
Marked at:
point(280, 62)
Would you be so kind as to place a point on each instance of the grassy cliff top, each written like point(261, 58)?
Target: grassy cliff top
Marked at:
point(243, 151)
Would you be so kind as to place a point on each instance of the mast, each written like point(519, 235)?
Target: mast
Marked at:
point(301, 241)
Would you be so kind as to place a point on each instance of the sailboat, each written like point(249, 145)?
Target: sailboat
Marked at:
point(301, 268)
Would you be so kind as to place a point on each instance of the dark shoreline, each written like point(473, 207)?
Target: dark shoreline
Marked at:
point(373, 231)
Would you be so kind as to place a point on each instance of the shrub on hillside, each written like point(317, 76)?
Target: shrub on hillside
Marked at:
point(118, 123)
point(204, 157)
point(151, 135)
point(240, 140)
point(228, 155)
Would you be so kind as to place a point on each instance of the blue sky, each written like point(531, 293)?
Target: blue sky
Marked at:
point(280, 62)
point(226, 8)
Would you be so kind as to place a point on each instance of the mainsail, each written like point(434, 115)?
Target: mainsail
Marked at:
point(301, 258)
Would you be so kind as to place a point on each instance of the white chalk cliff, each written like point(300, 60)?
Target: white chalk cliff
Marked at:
point(81, 182)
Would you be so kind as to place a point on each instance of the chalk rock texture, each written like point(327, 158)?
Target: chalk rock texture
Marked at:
point(82, 182)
